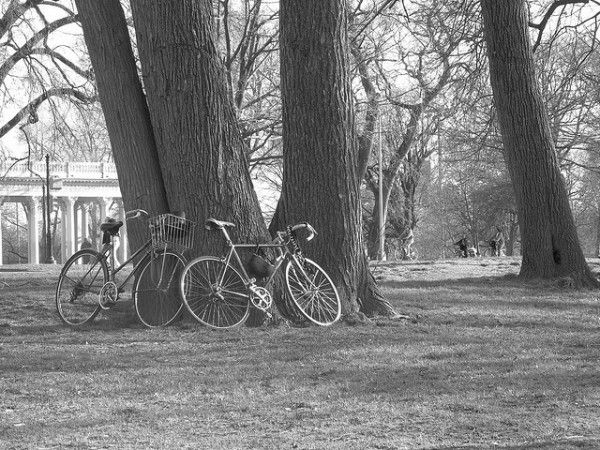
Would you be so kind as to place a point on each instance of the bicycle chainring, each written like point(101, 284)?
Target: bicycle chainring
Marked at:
point(261, 298)
point(108, 295)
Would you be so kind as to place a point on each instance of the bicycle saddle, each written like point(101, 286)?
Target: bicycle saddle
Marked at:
point(111, 226)
point(214, 224)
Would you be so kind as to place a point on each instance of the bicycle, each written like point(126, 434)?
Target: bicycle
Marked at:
point(218, 292)
point(87, 283)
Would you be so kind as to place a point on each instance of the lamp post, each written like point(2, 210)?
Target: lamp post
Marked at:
point(48, 231)
point(56, 184)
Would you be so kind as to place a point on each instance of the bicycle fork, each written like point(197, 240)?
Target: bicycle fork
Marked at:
point(161, 270)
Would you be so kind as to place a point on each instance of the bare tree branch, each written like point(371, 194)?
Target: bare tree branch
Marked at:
point(31, 108)
point(542, 25)
point(28, 47)
point(13, 12)
point(87, 74)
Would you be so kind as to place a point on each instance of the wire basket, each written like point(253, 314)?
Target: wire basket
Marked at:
point(171, 231)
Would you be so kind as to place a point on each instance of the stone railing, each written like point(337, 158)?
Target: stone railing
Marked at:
point(82, 170)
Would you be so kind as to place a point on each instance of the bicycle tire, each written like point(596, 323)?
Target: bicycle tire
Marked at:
point(79, 284)
point(316, 297)
point(155, 293)
point(215, 293)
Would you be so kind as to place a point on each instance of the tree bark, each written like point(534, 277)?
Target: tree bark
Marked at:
point(320, 163)
point(125, 110)
point(549, 241)
point(200, 148)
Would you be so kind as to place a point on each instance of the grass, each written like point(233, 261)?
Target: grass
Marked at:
point(490, 362)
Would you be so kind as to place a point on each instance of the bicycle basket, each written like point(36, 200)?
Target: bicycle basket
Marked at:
point(169, 230)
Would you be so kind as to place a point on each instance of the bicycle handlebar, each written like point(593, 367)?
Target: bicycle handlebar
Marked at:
point(305, 225)
point(135, 213)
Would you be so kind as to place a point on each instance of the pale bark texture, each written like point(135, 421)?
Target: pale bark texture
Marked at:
point(320, 163)
point(125, 110)
point(201, 152)
point(549, 241)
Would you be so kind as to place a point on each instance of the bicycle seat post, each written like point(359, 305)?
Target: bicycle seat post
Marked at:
point(227, 238)
point(108, 247)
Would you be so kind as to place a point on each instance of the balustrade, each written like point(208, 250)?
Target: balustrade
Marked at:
point(70, 182)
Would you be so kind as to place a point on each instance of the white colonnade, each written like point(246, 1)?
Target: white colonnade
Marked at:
point(82, 196)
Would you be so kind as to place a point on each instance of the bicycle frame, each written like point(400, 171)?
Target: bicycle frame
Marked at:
point(283, 250)
point(109, 252)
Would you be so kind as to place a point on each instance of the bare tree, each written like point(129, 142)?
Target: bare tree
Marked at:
point(200, 148)
point(430, 61)
point(550, 245)
point(32, 62)
point(320, 174)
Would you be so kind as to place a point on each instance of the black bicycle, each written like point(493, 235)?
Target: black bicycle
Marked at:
point(87, 283)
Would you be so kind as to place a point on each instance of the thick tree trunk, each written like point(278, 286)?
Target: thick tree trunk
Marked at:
point(597, 237)
point(200, 147)
point(125, 110)
point(549, 241)
point(320, 164)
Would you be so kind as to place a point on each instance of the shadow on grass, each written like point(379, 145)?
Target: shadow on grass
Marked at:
point(508, 386)
point(103, 325)
point(509, 281)
point(563, 444)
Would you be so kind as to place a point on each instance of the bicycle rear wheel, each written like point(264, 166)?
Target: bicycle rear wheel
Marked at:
point(79, 285)
point(214, 293)
point(156, 288)
point(313, 292)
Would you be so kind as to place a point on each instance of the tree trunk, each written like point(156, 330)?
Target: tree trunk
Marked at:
point(597, 241)
point(125, 110)
point(200, 148)
point(549, 241)
point(320, 163)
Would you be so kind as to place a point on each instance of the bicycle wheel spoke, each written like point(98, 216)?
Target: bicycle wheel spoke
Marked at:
point(79, 285)
point(214, 293)
point(156, 296)
point(313, 293)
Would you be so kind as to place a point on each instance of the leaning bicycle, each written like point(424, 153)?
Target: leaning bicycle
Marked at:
point(87, 283)
point(219, 292)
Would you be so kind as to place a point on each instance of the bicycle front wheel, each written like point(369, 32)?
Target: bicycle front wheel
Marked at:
point(79, 285)
point(215, 293)
point(156, 288)
point(313, 292)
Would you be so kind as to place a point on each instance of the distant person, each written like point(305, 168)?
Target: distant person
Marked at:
point(86, 243)
point(497, 242)
point(463, 247)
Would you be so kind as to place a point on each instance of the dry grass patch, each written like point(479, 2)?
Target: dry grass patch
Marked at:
point(489, 363)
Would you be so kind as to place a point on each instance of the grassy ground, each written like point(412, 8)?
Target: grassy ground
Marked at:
point(488, 363)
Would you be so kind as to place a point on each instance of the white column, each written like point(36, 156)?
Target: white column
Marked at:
point(84, 221)
point(68, 228)
point(104, 205)
point(77, 219)
point(34, 235)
